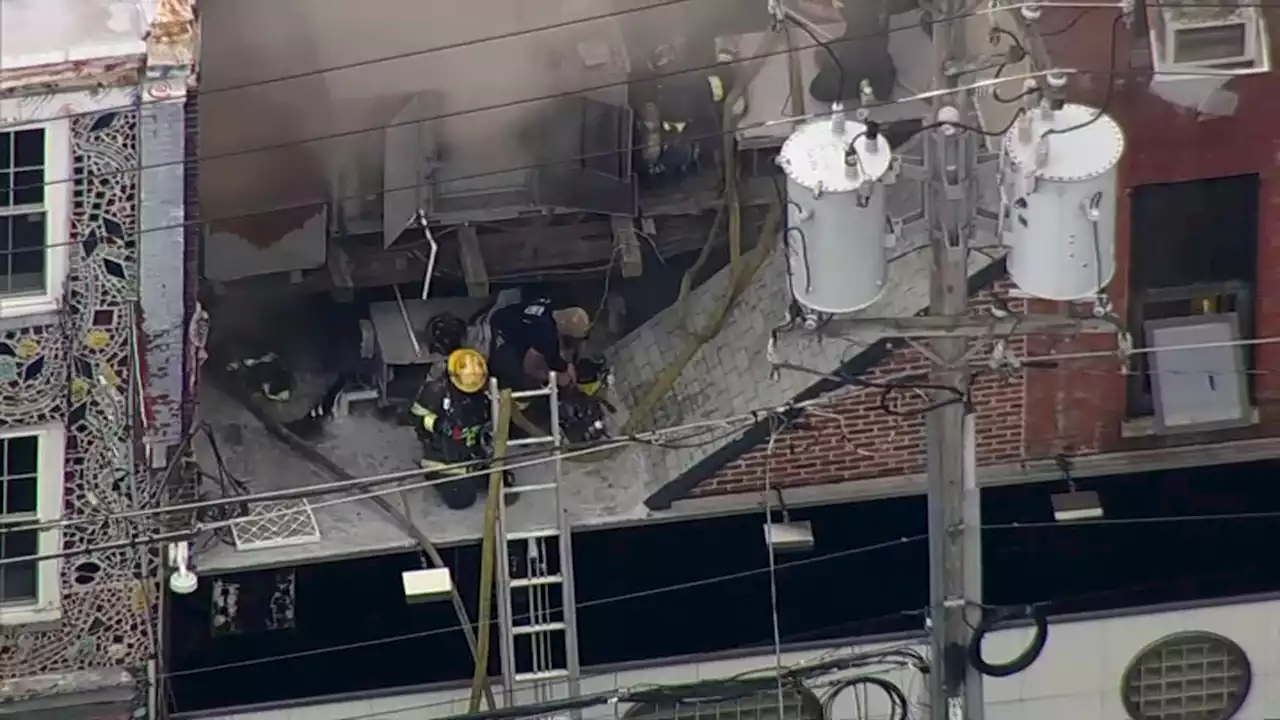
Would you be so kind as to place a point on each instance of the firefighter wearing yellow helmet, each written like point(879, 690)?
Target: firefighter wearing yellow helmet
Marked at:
point(451, 417)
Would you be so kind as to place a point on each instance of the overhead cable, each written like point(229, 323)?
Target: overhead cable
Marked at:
point(900, 707)
point(506, 104)
point(994, 617)
point(528, 458)
point(657, 4)
point(705, 582)
point(727, 577)
point(641, 438)
point(988, 83)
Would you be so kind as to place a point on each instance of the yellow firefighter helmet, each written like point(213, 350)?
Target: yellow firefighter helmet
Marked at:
point(468, 370)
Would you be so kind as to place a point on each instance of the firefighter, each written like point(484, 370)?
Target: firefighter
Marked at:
point(531, 340)
point(452, 420)
point(446, 333)
point(681, 107)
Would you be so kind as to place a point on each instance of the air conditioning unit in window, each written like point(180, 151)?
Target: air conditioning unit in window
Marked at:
point(1227, 36)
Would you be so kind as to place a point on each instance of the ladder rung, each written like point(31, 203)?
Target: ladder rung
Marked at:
point(540, 439)
point(536, 581)
point(538, 628)
point(533, 534)
point(541, 675)
point(522, 394)
point(529, 488)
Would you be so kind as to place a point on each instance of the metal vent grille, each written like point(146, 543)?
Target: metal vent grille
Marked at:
point(276, 523)
point(1187, 676)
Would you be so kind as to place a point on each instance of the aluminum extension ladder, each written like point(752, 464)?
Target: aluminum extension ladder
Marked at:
point(538, 630)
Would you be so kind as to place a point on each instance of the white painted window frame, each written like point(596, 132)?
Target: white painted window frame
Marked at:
point(58, 176)
point(52, 478)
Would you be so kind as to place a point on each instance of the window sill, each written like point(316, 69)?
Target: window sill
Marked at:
point(1146, 426)
point(23, 307)
point(32, 619)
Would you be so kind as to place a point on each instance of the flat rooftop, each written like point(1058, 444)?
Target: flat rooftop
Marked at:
point(50, 32)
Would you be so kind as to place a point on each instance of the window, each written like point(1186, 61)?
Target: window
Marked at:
point(35, 192)
point(1226, 35)
point(31, 478)
point(1194, 252)
point(1187, 676)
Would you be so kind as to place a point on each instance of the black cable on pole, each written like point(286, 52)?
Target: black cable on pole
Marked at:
point(899, 706)
point(991, 617)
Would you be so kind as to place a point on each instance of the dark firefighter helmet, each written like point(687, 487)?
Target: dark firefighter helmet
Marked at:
point(446, 333)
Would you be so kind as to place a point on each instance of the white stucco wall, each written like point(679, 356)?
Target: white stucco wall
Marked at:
point(69, 30)
point(1077, 677)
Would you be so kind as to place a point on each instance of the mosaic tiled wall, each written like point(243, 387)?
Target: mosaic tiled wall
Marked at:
point(80, 370)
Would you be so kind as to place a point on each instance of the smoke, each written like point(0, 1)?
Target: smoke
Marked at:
point(246, 41)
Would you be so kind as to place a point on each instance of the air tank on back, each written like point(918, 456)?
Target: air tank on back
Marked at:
point(1060, 190)
point(836, 223)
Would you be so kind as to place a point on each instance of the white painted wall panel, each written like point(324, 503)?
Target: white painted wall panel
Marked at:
point(1077, 677)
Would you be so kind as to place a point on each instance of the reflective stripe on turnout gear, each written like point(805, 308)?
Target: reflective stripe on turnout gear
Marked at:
point(443, 468)
point(717, 88)
point(428, 417)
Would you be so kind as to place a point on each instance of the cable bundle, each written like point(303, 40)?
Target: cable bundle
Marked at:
point(996, 616)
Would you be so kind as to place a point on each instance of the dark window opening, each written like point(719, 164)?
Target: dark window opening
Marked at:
point(1194, 249)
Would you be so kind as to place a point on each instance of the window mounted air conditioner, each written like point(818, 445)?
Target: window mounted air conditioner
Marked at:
point(1218, 35)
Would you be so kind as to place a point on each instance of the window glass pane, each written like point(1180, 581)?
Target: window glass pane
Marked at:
point(18, 495)
point(20, 455)
point(22, 253)
point(18, 580)
point(28, 187)
point(19, 475)
point(6, 251)
point(28, 148)
point(6, 182)
point(6, 150)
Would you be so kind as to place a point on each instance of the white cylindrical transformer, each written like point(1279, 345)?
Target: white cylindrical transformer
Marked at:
point(1061, 189)
point(836, 224)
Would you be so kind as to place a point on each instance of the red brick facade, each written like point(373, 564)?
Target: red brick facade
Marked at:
point(1079, 407)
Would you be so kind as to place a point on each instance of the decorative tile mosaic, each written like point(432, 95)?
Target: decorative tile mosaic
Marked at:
point(80, 371)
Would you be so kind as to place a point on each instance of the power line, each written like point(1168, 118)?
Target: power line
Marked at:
point(1223, 517)
point(534, 166)
point(639, 693)
point(539, 458)
point(514, 34)
point(381, 59)
point(588, 603)
point(505, 105)
point(332, 487)
point(652, 437)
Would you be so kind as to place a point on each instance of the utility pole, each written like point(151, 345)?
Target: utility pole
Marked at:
point(1046, 205)
point(955, 542)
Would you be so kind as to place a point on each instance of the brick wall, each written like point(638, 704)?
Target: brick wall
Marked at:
point(854, 438)
point(1165, 143)
point(1079, 407)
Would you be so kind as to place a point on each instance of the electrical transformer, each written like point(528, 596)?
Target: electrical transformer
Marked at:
point(1060, 191)
point(836, 222)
